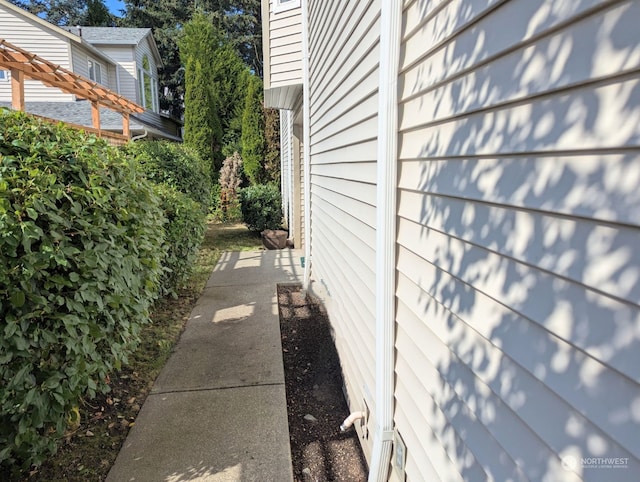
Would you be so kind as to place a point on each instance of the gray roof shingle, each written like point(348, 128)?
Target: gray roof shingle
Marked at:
point(110, 35)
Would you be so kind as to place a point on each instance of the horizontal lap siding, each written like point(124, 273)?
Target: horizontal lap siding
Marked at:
point(127, 74)
point(518, 319)
point(343, 65)
point(38, 40)
point(285, 47)
point(285, 155)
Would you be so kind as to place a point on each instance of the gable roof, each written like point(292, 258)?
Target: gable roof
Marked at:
point(59, 30)
point(117, 36)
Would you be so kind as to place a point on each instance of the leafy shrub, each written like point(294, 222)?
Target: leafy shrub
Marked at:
point(184, 232)
point(80, 247)
point(177, 165)
point(261, 207)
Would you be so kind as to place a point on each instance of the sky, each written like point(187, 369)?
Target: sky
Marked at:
point(115, 6)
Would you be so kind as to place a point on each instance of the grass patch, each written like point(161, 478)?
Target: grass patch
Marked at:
point(88, 453)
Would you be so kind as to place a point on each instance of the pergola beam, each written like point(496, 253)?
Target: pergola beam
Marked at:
point(25, 64)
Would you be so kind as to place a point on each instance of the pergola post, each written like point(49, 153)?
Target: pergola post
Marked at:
point(125, 125)
point(95, 115)
point(17, 89)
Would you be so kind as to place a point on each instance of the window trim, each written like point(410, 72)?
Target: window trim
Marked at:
point(142, 73)
point(284, 5)
point(97, 68)
point(4, 75)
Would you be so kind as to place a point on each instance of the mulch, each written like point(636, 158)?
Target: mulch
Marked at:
point(315, 401)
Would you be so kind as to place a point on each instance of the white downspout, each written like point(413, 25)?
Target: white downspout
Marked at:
point(290, 169)
point(282, 115)
point(306, 140)
point(390, 18)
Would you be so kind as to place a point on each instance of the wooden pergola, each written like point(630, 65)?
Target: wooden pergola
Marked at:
point(24, 64)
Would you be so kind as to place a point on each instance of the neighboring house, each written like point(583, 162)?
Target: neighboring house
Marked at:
point(471, 220)
point(124, 60)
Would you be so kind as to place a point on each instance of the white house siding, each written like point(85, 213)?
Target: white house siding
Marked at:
point(518, 285)
point(124, 56)
point(35, 38)
point(299, 196)
point(142, 49)
point(285, 47)
point(80, 61)
point(285, 164)
point(343, 64)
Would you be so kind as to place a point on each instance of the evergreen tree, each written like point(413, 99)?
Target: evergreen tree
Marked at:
point(253, 141)
point(93, 13)
point(272, 145)
point(202, 126)
point(230, 81)
point(97, 15)
point(239, 20)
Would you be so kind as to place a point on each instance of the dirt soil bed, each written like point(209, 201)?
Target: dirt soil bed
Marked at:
point(315, 401)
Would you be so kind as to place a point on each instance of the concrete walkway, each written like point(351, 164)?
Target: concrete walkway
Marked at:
point(217, 412)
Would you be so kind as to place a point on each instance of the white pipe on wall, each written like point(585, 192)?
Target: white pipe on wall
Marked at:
point(306, 139)
point(290, 170)
point(390, 21)
point(282, 114)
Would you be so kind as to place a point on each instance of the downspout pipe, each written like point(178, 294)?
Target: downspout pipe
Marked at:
point(290, 169)
point(306, 140)
point(390, 23)
point(283, 191)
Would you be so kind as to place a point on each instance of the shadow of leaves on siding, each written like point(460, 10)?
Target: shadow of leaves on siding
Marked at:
point(527, 267)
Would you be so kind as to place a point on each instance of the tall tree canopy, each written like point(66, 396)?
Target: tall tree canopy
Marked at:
point(202, 126)
point(253, 141)
point(91, 13)
point(238, 20)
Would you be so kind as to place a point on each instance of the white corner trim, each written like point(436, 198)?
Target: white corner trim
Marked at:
point(290, 169)
point(283, 5)
point(306, 140)
point(390, 24)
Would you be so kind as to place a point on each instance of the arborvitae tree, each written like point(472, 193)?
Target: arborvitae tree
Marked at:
point(239, 20)
point(272, 145)
point(202, 127)
point(253, 142)
point(230, 81)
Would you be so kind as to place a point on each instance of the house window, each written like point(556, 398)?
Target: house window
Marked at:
point(148, 86)
point(282, 5)
point(95, 71)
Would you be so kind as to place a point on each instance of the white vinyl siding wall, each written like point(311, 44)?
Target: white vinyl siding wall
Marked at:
point(143, 49)
point(39, 40)
point(518, 266)
point(80, 61)
point(285, 47)
point(343, 63)
point(286, 157)
point(300, 179)
point(124, 56)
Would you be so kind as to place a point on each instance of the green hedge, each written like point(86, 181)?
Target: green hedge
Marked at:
point(184, 186)
point(177, 165)
point(184, 233)
point(81, 236)
point(261, 207)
